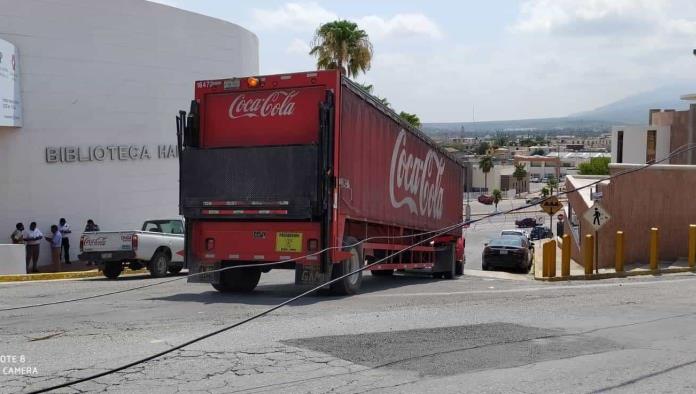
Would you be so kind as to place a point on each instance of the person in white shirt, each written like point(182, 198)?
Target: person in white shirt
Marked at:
point(64, 229)
point(32, 238)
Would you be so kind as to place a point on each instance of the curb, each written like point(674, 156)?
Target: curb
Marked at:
point(609, 275)
point(60, 275)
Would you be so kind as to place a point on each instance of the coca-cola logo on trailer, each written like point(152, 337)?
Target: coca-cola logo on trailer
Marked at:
point(416, 182)
point(277, 103)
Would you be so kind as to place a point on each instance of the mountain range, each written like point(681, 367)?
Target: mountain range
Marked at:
point(632, 109)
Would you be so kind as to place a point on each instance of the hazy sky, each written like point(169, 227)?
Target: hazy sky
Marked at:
point(507, 59)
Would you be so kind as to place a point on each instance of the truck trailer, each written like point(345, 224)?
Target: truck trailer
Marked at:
point(280, 167)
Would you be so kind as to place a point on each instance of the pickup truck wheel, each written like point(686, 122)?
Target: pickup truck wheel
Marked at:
point(158, 265)
point(112, 269)
point(350, 284)
point(238, 280)
point(175, 269)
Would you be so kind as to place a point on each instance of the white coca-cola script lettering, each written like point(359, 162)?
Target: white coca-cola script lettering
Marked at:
point(277, 103)
point(99, 241)
point(416, 182)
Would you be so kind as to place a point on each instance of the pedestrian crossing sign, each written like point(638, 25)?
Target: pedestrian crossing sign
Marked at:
point(597, 216)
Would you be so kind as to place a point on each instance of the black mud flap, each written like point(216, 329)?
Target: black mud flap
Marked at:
point(203, 275)
point(311, 275)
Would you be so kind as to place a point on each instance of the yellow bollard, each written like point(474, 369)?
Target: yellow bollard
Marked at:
point(565, 256)
point(692, 245)
point(654, 248)
point(619, 260)
point(588, 253)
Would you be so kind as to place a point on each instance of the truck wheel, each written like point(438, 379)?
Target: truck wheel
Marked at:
point(350, 284)
point(175, 269)
point(112, 269)
point(158, 265)
point(459, 269)
point(238, 280)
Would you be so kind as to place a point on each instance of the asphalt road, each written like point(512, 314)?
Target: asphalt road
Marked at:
point(400, 335)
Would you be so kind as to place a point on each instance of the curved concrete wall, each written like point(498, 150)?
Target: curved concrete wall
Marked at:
point(101, 84)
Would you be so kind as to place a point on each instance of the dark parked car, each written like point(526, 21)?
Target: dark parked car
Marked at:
point(508, 252)
point(526, 222)
point(540, 232)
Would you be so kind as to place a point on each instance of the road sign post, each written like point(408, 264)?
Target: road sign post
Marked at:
point(597, 216)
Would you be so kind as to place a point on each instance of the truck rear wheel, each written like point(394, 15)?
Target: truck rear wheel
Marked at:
point(238, 280)
point(112, 269)
point(159, 264)
point(349, 284)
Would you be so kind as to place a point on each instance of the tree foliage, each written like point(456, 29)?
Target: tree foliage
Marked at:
point(486, 165)
point(538, 152)
point(552, 183)
point(596, 166)
point(520, 172)
point(483, 147)
point(411, 118)
point(342, 45)
point(544, 191)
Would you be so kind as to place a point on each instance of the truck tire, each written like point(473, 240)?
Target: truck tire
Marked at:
point(175, 269)
point(459, 270)
point(159, 264)
point(350, 284)
point(112, 269)
point(238, 280)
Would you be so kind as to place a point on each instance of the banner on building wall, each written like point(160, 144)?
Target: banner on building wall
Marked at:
point(10, 94)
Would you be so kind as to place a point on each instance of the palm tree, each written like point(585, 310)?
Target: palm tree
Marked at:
point(552, 183)
point(519, 174)
point(497, 196)
point(486, 165)
point(342, 45)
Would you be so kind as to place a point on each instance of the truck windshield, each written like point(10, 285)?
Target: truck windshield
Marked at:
point(164, 226)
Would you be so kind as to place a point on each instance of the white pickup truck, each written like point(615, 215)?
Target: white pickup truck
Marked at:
point(158, 246)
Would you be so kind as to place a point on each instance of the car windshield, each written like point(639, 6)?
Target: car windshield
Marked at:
point(506, 241)
point(164, 226)
point(512, 232)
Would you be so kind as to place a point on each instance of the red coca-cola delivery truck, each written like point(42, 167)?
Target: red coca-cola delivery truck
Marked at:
point(279, 167)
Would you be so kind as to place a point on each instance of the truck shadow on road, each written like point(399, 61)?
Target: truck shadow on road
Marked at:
point(273, 294)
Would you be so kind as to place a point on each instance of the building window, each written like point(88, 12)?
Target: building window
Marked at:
point(652, 142)
point(619, 147)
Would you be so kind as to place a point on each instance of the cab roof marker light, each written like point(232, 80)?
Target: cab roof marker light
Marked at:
point(285, 77)
point(311, 75)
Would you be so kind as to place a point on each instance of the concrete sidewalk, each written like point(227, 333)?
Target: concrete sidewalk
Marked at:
point(577, 271)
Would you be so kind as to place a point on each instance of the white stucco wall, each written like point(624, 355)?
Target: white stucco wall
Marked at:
point(635, 143)
point(101, 73)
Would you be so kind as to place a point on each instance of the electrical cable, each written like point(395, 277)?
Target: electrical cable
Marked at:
point(316, 288)
point(682, 149)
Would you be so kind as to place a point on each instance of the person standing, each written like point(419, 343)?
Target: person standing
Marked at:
point(56, 241)
point(32, 239)
point(90, 227)
point(17, 236)
point(64, 229)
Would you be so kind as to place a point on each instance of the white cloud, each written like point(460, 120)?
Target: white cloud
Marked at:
point(294, 16)
point(400, 25)
point(572, 15)
point(298, 46)
point(308, 16)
